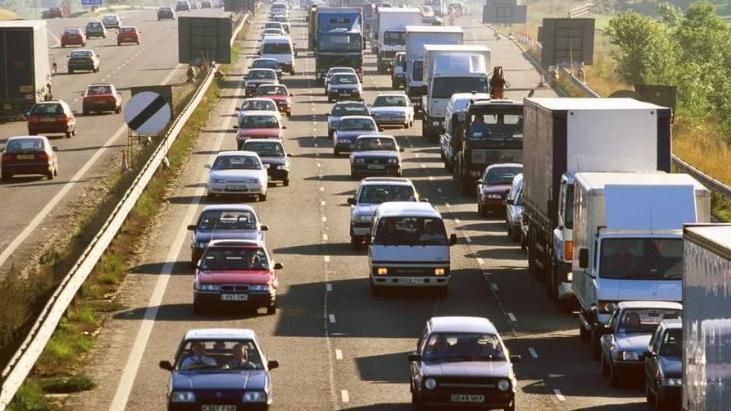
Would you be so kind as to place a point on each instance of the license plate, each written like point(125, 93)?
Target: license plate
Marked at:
point(236, 187)
point(376, 166)
point(234, 297)
point(228, 407)
point(411, 280)
point(25, 157)
point(47, 120)
point(467, 398)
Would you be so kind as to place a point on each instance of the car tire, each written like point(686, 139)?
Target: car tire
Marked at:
point(6, 176)
point(285, 182)
point(263, 197)
point(71, 71)
point(197, 308)
point(329, 134)
point(272, 309)
point(69, 134)
point(482, 210)
point(515, 235)
point(353, 175)
point(85, 111)
point(336, 152)
point(329, 99)
point(415, 400)
point(50, 174)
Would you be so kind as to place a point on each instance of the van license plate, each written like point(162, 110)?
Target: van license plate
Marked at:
point(411, 280)
point(228, 407)
point(376, 166)
point(467, 398)
point(234, 297)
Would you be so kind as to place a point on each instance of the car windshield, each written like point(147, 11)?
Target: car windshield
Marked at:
point(98, 90)
point(276, 48)
point(445, 347)
point(47, 109)
point(219, 355)
point(80, 53)
point(236, 163)
point(411, 231)
point(227, 220)
point(344, 79)
point(444, 87)
point(265, 148)
point(642, 258)
point(672, 343)
point(500, 175)
point(258, 105)
point(394, 38)
point(271, 91)
point(25, 145)
point(349, 110)
point(269, 64)
point(390, 101)
point(504, 127)
point(259, 122)
point(262, 75)
point(234, 258)
point(353, 124)
point(644, 320)
point(375, 144)
point(377, 194)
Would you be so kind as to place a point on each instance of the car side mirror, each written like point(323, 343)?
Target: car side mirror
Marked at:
point(452, 239)
point(400, 149)
point(414, 357)
point(515, 359)
point(278, 266)
point(264, 227)
point(237, 109)
point(351, 201)
point(272, 364)
point(290, 155)
point(583, 258)
point(166, 365)
point(291, 94)
point(192, 227)
point(235, 126)
point(207, 166)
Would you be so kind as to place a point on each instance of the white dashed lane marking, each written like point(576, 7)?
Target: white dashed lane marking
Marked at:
point(532, 352)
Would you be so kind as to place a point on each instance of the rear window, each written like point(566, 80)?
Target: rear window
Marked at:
point(259, 105)
point(276, 48)
point(271, 91)
point(259, 122)
point(80, 53)
point(127, 29)
point(352, 124)
point(262, 74)
point(349, 110)
point(47, 109)
point(24, 145)
point(72, 31)
point(98, 90)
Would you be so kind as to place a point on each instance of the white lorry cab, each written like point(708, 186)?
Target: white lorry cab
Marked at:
point(409, 247)
point(279, 48)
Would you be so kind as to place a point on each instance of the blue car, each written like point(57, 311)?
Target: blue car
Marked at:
point(349, 128)
point(664, 366)
point(219, 369)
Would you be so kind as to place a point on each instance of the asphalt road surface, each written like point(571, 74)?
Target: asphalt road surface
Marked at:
point(32, 206)
point(339, 347)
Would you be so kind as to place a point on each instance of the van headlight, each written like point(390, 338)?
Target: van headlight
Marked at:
point(382, 271)
point(439, 271)
point(183, 396)
point(430, 383)
point(503, 385)
point(393, 161)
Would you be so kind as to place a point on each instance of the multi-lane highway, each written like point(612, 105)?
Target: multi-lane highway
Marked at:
point(33, 207)
point(338, 346)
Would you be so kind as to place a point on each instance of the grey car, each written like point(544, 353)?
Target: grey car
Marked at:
point(375, 155)
point(627, 335)
point(514, 208)
point(344, 108)
point(664, 366)
point(344, 86)
point(349, 129)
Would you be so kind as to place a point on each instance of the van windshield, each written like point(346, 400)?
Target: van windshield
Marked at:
point(444, 87)
point(411, 231)
point(642, 258)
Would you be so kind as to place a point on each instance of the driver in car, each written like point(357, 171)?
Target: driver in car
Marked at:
point(198, 359)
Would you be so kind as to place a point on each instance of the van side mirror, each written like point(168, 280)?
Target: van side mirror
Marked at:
point(351, 201)
point(264, 227)
point(583, 258)
point(192, 227)
point(453, 239)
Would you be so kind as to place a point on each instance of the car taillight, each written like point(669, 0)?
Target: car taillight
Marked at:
point(62, 119)
point(8, 157)
point(568, 250)
point(33, 119)
point(42, 156)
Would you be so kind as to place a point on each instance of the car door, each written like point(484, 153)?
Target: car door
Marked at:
point(651, 360)
point(607, 340)
point(416, 365)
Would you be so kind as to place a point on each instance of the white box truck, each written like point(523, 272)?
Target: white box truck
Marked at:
point(628, 241)
point(563, 136)
point(416, 38)
point(706, 317)
point(449, 70)
point(391, 36)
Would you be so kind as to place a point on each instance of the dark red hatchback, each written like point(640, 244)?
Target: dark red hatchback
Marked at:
point(51, 117)
point(29, 155)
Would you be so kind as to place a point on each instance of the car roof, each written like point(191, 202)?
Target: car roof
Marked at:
point(357, 117)
point(265, 59)
point(501, 165)
point(264, 140)
point(237, 153)
point(260, 112)
point(407, 208)
point(672, 324)
point(229, 207)
point(649, 304)
point(220, 333)
point(236, 243)
point(462, 324)
point(25, 137)
point(386, 180)
point(373, 136)
point(258, 99)
point(350, 103)
point(82, 50)
point(263, 69)
point(276, 39)
point(341, 68)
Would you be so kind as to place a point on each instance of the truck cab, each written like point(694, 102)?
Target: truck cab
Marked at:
point(338, 39)
point(451, 140)
point(492, 133)
point(563, 244)
point(390, 37)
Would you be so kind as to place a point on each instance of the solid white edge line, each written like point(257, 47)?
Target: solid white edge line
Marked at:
point(480, 261)
point(324, 237)
point(338, 354)
point(328, 287)
point(326, 258)
point(331, 318)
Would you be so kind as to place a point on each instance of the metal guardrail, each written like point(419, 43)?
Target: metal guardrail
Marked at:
point(27, 354)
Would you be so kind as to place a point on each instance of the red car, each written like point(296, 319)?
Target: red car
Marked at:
point(236, 273)
point(51, 117)
point(258, 124)
point(29, 155)
point(493, 187)
point(73, 37)
point(279, 93)
point(101, 97)
point(128, 34)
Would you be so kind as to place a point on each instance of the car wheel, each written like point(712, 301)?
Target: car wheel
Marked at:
point(329, 100)
point(119, 44)
point(649, 395)
point(85, 111)
point(336, 152)
point(6, 176)
point(49, 174)
point(660, 403)
point(329, 134)
point(69, 134)
point(55, 171)
point(71, 71)
point(263, 197)
point(415, 399)
point(285, 182)
point(515, 236)
point(197, 308)
point(272, 309)
point(353, 175)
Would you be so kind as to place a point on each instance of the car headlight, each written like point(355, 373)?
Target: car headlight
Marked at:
point(434, 123)
point(183, 396)
point(430, 383)
point(672, 382)
point(283, 167)
point(254, 396)
point(359, 160)
point(493, 196)
point(439, 271)
point(200, 245)
point(217, 181)
point(363, 218)
point(626, 356)
point(208, 287)
point(382, 271)
point(503, 385)
point(259, 287)
point(393, 161)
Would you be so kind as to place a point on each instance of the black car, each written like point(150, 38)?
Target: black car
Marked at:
point(271, 152)
point(219, 369)
point(664, 366)
point(83, 59)
point(52, 13)
point(462, 362)
point(224, 222)
point(375, 155)
point(182, 5)
point(165, 13)
point(95, 29)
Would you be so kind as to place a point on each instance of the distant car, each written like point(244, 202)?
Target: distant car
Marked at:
point(101, 97)
point(272, 153)
point(493, 186)
point(128, 34)
point(393, 109)
point(111, 21)
point(349, 129)
point(183, 5)
point(195, 5)
point(221, 375)
point(258, 124)
point(514, 208)
point(51, 117)
point(238, 173)
point(664, 366)
point(279, 93)
point(375, 155)
point(73, 36)
point(336, 70)
point(344, 108)
point(28, 155)
point(372, 192)
point(83, 59)
point(95, 29)
point(256, 77)
point(344, 86)
point(206, 4)
point(267, 63)
point(462, 362)
point(236, 274)
point(165, 13)
point(53, 13)
point(272, 32)
point(627, 335)
point(259, 104)
point(277, 25)
point(224, 222)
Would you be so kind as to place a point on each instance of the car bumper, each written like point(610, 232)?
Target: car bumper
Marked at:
point(252, 300)
point(628, 368)
point(27, 168)
point(493, 204)
point(128, 40)
point(344, 146)
point(81, 66)
point(360, 229)
point(49, 129)
point(409, 281)
point(671, 396)
point(198, 407)
point(227, 189)
point(443, 399)
point(279, 175)
point(390, 121)
point(338, 95)
point(99, 105)
point(89, 35)
point(389, 170)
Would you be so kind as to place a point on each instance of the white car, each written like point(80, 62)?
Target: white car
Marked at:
point(393, 109)
point(238, 173)
point(336, 70)
point(259, 104)
point(272, 32)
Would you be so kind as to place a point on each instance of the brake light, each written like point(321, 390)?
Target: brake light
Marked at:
point(568, 250)
point(8, 157)
point(33, 119)
point(62, 119)
point(42, 156)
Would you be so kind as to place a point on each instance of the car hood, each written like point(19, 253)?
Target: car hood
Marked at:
point(233, 174)
point(235, 277)
point(342, 86)
point(378, 153)
point(632, 342)
point(390, 109)
point(672, 367)
point(468, 369)
point(243, 380)
point(210, 235)
point(260, 132)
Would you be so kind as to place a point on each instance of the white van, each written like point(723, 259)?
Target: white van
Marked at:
point(409, 247)
point(281, 49)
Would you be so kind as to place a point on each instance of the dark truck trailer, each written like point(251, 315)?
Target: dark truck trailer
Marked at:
point(339, 39)
point(25, 72)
